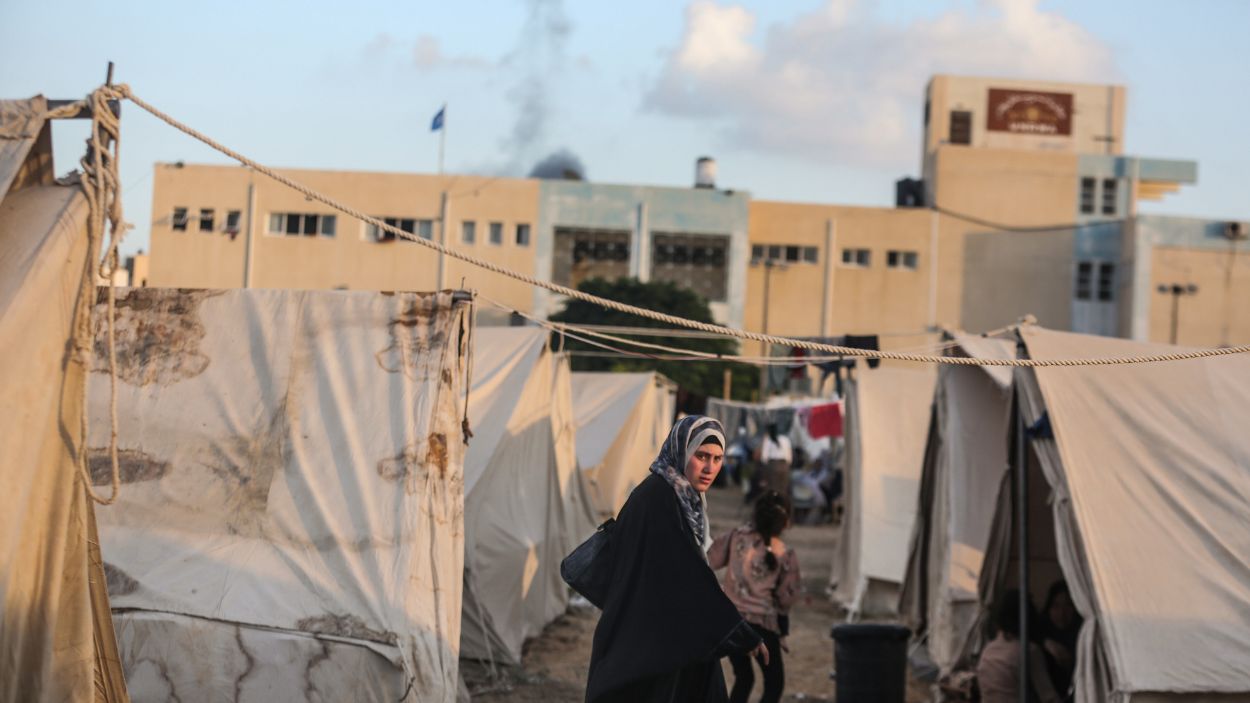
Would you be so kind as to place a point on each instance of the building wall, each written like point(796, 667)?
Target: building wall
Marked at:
point(1011, 274)
point(642, 211)
point(349, 259)
point(1015, 188)
point(873, 299)
point(1184, 251)
point(1097, 122)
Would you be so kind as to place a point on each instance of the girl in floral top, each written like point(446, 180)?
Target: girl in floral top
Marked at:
point(763, 582)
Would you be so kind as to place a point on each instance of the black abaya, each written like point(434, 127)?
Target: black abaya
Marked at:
point(666, 622)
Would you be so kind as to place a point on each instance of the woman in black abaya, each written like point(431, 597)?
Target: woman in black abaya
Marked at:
point(666, 622)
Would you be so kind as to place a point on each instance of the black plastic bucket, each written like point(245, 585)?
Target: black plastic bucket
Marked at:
point(870, 663)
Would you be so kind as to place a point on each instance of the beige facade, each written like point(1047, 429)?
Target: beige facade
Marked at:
point(1074, 118)
point(213, 253)
point(1215, 313)
point(871, 272)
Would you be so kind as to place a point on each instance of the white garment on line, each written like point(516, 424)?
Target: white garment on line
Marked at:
point(780, 449)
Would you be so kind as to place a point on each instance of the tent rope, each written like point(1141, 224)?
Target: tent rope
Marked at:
point(674, 320)
point(100, 183)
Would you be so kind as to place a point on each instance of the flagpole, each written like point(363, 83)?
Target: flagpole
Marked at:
point(442, 138)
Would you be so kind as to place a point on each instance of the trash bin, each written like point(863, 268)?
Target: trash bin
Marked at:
point(870, 663)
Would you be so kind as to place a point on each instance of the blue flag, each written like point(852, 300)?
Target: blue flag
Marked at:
point(437, 124)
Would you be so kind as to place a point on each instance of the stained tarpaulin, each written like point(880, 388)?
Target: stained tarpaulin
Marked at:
point(526, 506)
point(622, 418)
point(290, 521)
point(56, 636)
point(886, 421)
point(1150, 473)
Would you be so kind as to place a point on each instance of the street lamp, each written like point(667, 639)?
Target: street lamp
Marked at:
point(1176, 290)
point(769, 265)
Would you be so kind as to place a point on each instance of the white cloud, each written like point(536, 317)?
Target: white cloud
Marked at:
point(428, 55)
point(841, 84)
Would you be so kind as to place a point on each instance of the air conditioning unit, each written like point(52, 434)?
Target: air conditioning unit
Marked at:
point(1236, 230)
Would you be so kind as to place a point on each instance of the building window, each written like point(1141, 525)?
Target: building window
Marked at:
point(580, 254)
point(1084, 280)
point(206, 219)
point(468, 231)
point(1088, 186)
point(1106, 282)
point(961, 127)
point(180, 219)
point(293, 224)
point(902, 260)
point(425, 229)
point(784, 253)
point(376, 234)
point(232, 221)
point(694, 261)
point(1108, 196)
point(496, 233)
point(859, 258)
point(522, 235)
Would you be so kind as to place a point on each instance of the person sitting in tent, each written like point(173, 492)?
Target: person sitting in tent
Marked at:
point(1061, 625)
point(998, 670)
point(774, 457)
point(666, 622)
point(763, 582)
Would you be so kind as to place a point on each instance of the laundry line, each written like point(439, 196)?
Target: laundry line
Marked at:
point(124, 91)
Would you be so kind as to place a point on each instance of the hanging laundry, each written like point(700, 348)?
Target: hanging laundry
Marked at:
point(825, 420)
point(865, 341)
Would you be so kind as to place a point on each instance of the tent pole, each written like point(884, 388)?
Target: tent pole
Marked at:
point(1022, 531)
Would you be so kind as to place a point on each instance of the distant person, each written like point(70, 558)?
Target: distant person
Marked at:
point(775, 455)
point(666, 622)
point(998, 670)
point(1061, 625)
point(762, 580)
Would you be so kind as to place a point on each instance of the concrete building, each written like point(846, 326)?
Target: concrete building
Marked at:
point(1026, 205)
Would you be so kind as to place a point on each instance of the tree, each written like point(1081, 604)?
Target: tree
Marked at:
point(702, 378)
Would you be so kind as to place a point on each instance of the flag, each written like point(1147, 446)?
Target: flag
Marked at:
point(437, 123)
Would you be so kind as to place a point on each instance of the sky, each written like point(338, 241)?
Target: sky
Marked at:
point(800, 101)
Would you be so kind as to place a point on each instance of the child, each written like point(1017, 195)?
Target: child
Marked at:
point(763, 582)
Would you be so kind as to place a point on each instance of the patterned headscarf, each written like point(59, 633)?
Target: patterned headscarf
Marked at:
point(687, 435)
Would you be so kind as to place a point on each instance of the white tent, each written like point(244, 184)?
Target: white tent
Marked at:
point(56, 636)
point(622, 419)
point(965, 465)
point(290, 520)
point(1148, 468)
point(525, 505)
point(887, 414)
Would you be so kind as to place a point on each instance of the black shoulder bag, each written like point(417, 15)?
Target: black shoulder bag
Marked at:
point(588, 569)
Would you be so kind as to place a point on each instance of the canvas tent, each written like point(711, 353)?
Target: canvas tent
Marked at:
point(56, 636)
point(290, 520)
point(622, 419)
point(1148, 471)
point(525, 505)
point(885, 426)
point(965, 465)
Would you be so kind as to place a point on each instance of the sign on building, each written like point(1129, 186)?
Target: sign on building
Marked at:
point(1030, 112)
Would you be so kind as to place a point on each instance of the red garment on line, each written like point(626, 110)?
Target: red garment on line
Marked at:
point(825, 421)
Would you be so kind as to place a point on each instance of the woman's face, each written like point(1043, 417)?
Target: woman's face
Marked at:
point(704, 465)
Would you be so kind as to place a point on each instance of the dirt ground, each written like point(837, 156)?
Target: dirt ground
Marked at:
point(554, 665)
